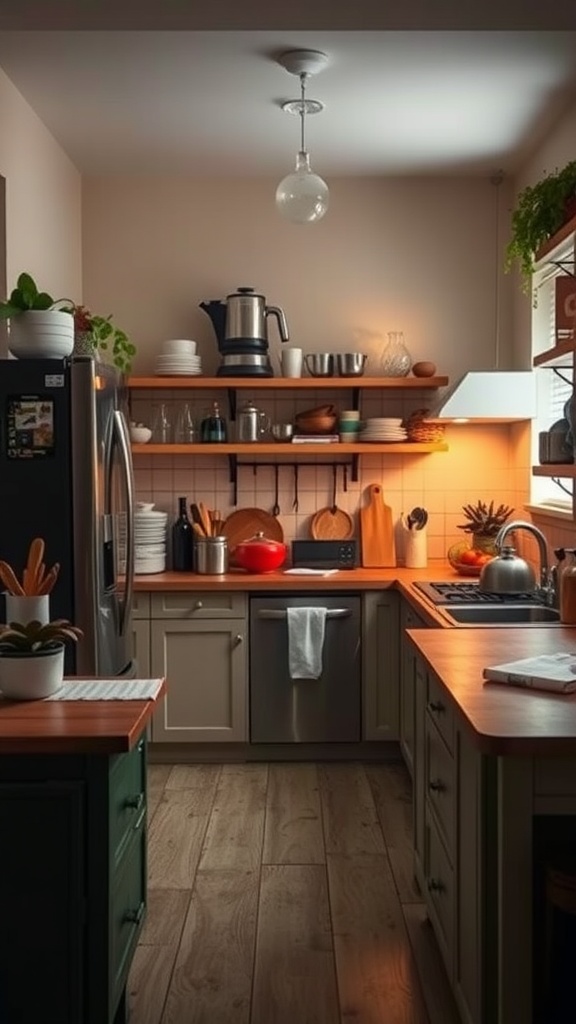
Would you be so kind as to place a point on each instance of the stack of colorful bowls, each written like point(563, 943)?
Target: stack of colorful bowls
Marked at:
point(349, 425)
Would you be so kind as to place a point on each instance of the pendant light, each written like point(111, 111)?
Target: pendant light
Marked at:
point(302, 196)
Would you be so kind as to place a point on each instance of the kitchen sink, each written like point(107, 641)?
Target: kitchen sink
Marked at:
point(502, 614)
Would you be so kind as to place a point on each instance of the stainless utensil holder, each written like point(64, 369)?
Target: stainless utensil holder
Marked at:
point(211, 555)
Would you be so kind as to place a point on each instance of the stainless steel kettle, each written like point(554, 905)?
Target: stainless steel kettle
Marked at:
point(252, 423)
point(246, 314)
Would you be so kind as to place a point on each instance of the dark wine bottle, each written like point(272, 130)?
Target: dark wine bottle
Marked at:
point(182, 540)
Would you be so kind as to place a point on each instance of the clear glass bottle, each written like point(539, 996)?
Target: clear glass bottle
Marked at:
point(568, 589)
point(161, 427)
point(396, 359)
point(182, 546)
point(185, 431)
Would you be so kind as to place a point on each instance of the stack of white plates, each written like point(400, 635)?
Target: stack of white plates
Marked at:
point(150, 541)
point(168, 365)
point(383, 429)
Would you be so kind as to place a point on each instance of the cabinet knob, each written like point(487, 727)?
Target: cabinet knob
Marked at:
point(238, 639)
point(436, 706)
point(135, 916)
point(198, 605)
point(134, 802)
point(436, 785)
point(435, 885)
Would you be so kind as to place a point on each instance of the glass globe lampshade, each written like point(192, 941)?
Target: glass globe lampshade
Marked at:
point(302, 197)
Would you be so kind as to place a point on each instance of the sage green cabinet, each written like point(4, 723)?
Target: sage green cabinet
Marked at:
point(202, 650)
point(380, 665)
point(72, 885)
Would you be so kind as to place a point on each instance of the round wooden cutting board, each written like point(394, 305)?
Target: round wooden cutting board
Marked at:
point(243, 524)
point(332, 523)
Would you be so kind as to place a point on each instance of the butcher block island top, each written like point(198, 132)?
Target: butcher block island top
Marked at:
point(73, 727)
point(504, 720)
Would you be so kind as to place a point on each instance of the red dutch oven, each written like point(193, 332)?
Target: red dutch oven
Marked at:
point(259, 554)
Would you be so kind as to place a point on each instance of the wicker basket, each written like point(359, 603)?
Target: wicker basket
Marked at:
point(419, 429)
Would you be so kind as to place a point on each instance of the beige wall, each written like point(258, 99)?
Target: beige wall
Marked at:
point(417, 255)
point(43, 200)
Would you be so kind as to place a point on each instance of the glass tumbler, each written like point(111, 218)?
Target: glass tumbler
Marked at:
point(396, 359)
point(161, 426)
point(185, 431)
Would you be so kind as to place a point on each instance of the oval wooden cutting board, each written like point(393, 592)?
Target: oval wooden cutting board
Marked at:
point(377, 542)
point(243, 524)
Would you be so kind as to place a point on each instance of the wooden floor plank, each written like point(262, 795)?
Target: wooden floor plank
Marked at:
point(151, 969)
point(293, 832)
point(197, 777)
point(377, 978)
point(175, 837)
point(351, 824)
point(157, 778)
point(212, 977)
point(392, 793)
point(439, 999)
point(294, 977)
point(235, 832)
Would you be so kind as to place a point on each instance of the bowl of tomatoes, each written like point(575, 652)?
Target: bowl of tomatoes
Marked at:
point(467, 560)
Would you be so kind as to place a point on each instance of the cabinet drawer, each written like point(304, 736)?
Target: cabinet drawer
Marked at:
point(439, 782)
point(141, 605)
point(439, 707)
point(440, 891)
point(199, 604)
point(127, 798)
point(127, 912)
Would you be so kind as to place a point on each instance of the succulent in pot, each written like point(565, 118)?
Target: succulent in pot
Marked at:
point(260, 554)
point(32, 657)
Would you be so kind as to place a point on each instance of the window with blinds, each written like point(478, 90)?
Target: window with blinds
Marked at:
point(554, 387)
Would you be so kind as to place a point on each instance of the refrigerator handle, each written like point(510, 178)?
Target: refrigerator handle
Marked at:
point(124, 446)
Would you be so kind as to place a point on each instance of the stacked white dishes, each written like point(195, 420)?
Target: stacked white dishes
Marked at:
point(383, 429)
point(149, 539)
point(178, 357)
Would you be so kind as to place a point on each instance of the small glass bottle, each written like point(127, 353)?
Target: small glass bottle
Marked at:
point(161, 428)
point(185, 431)
point(568, 589)
point(213, 428)
point(182, 546)
point(396, 359)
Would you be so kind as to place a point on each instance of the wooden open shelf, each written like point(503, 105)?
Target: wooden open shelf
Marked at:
point(566, 469)
point(287, 383)
point(278, 448)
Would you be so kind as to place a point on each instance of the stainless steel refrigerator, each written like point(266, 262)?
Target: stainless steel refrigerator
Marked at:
point(66, 476)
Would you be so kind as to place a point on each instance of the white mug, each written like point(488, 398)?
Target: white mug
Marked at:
point(291, 362)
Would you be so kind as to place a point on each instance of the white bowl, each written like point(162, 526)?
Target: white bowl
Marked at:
point(179, 347)
point(140, 435)
point(144, 506)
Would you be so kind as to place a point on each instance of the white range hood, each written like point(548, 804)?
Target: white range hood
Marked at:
point(494, 396)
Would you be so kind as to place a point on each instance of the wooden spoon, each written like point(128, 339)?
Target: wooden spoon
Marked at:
point(332, 523)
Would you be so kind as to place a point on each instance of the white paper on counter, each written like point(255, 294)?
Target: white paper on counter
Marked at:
point(108, 689)
point(310, 572)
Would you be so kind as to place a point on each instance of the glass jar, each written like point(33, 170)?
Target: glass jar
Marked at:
point(396, 359)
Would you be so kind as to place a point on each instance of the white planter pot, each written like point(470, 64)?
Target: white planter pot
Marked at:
point(27, 609)
point(41, 334)
point(25, 676)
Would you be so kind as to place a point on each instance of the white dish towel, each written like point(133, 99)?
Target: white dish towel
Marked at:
point(306, 629)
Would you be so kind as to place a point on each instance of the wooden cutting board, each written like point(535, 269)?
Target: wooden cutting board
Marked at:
point(243, 524)
point(377, 531)
point(332, 523)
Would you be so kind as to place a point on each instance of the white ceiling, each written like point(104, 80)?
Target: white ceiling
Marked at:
point(208, 102)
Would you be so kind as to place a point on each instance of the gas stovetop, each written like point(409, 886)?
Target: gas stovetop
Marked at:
point(468, 593)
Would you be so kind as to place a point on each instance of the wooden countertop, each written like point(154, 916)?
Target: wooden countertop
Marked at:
point(73, 727)
point(503, 719)
point(344, 579)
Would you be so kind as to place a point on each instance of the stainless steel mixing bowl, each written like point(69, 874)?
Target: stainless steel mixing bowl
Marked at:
point(351, 364)
point(319, 364)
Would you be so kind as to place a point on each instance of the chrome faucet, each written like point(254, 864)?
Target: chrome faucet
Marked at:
point(547, 589)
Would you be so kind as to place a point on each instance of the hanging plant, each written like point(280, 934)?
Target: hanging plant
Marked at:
point(540, 210)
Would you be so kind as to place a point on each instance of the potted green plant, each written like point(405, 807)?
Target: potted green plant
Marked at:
point(38, 327)
point(540, 211)
point(97, 333)
point(32, 657)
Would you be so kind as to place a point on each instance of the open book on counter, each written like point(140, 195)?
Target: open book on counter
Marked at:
point(553, 672)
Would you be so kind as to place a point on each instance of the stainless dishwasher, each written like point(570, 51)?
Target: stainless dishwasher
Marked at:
point(285, 710)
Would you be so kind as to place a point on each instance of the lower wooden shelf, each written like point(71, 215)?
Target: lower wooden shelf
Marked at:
point(565, 469)
point(277, 448)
